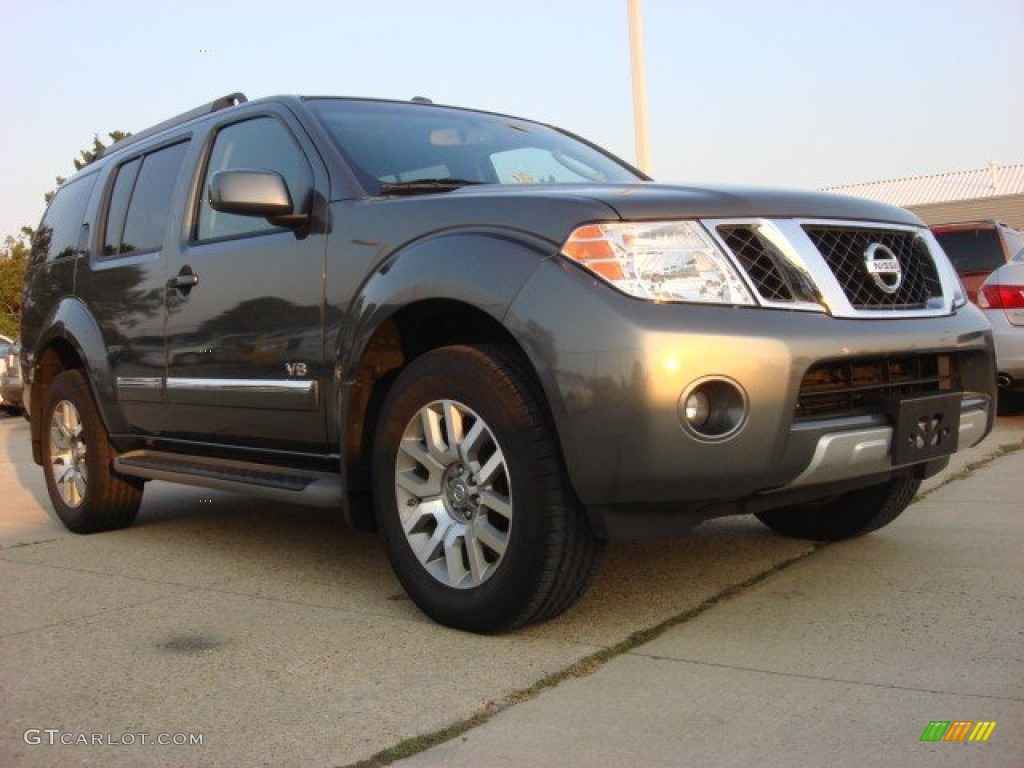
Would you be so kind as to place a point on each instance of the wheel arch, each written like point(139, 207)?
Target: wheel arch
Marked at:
point(448, 290)
point(71, 340)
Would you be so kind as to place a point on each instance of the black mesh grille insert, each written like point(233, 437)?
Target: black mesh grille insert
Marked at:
point(848, 387)
point(757, 261)
point(844, 249)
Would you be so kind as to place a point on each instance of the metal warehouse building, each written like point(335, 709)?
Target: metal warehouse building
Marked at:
point(995, 192)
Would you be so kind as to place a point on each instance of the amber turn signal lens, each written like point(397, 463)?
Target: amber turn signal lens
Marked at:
point(591, 247)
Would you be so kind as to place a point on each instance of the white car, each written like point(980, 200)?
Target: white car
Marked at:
point(1001, 297)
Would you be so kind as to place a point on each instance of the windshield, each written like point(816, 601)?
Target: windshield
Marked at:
point(427, 148)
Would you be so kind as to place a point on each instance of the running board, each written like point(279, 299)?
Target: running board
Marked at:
point(296, 486)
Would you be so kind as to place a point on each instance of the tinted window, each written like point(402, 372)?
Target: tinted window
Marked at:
point(260, 144)
point(1015, 240)
point(119, 198)
point(972, 250)
point(60, 231)
point(393, 142)
point(150, 206)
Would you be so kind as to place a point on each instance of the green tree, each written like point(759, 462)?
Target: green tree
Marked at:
point(86, 156)
point(13, 258)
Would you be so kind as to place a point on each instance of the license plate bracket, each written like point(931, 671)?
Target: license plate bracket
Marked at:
point(925, 428)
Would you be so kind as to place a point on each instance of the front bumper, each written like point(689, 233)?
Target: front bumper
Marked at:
point(848, 453)
point(614, 369)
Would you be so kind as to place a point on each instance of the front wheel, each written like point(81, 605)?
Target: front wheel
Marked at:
point(478, 521)
point(843, 517)
point(86, 493)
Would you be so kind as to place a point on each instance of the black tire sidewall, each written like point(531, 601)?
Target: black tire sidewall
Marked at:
point(465, 375)
point(109, 501)
point(853, 514)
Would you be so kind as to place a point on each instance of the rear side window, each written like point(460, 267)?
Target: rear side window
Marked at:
point(264, 144)
point(60, 232)
point(972, 250)
point(140, 205)
point(118, 209)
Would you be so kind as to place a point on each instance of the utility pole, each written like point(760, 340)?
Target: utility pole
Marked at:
point(636, 57)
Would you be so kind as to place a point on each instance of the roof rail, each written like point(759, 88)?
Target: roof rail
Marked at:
point(214, 106)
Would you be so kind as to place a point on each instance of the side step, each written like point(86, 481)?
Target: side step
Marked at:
point(296, 486)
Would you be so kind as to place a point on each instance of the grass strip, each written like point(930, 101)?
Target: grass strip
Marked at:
point(967, 471)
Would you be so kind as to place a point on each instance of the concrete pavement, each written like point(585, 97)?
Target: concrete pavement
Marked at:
point(281, 638)
point(841, 659)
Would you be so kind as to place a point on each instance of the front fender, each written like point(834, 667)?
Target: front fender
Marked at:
point(483, 270)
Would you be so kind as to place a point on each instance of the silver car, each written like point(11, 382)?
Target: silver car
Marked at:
point(11, 388)
point(1001, 297)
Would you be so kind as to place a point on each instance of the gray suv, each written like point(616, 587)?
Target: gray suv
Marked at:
point(488, 339)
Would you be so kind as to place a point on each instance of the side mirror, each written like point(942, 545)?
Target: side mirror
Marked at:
point(254, 193)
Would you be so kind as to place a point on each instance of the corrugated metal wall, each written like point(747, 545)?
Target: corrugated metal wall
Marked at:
point(1008, 209)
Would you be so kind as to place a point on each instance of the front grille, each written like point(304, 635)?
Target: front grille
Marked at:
point(754, 256)
point(858, 386)
point(844, 249)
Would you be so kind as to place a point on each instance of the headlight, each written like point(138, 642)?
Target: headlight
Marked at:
point(660, 261)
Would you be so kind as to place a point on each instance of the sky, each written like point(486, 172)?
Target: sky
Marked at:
point(787, 93)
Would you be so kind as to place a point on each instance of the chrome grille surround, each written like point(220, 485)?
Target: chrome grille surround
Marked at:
point(821, 266)
point(844, 249)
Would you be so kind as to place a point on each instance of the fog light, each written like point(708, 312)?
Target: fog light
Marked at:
point(713, 408)
point(697, 409)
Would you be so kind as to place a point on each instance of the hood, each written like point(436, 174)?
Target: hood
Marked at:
point(652, 201)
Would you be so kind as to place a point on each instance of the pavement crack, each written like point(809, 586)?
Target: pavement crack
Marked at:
point(826, 679)
point(4, 548)
point(85, 617)
point(584, 667)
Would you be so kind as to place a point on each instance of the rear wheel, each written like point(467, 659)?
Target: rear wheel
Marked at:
point(86, 493)
point(479, 524)
point(843, 517)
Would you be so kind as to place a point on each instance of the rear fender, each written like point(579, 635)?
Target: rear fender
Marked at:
point(72, 323)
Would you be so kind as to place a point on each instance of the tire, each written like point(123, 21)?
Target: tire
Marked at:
point(467, 474)
point(844, 517)
point(1009, 403)
point(86, 493)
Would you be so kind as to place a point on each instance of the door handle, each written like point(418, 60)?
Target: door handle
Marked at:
point(184, 281)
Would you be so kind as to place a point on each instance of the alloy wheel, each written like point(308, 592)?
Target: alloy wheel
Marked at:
point(454, 495)
point(68, 453)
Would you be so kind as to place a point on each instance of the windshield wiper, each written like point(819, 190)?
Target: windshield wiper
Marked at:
point(424, 186)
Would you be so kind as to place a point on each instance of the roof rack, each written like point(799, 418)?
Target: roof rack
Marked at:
point(214, 106)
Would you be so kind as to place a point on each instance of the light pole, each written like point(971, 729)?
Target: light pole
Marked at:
point(636, 58)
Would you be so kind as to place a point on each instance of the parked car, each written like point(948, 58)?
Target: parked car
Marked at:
point(976, 248)
point(5, 346)
point(1001, 298)
point(10, 379)
point(444, 323)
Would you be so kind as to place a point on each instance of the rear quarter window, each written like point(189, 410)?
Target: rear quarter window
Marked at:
point(60, 232)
